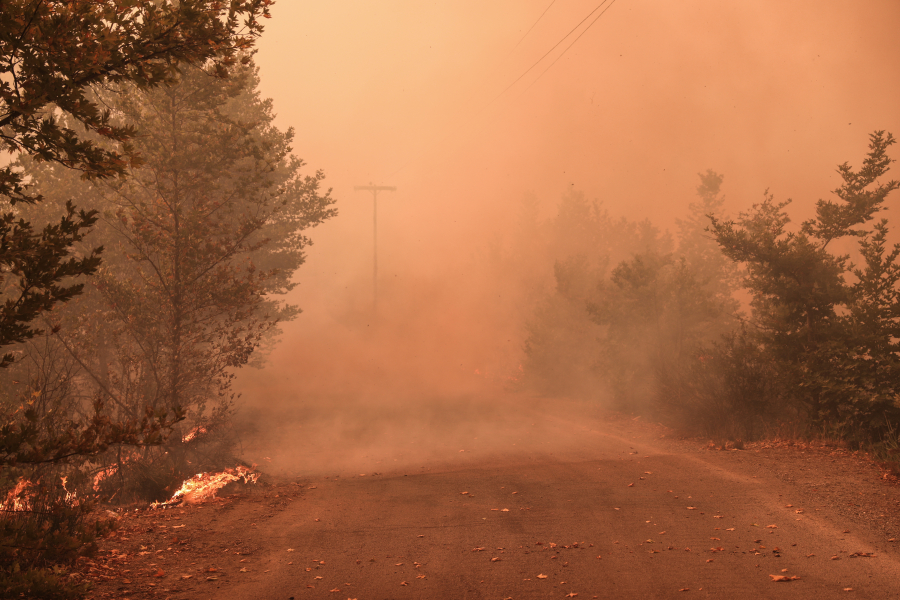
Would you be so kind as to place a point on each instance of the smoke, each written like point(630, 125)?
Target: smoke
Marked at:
point(771, 95)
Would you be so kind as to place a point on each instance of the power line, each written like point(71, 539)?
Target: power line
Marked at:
point(528, 70)
point(532, 26)
point(597, 18)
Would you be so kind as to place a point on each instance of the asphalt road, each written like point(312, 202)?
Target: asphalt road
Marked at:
point(560, 507)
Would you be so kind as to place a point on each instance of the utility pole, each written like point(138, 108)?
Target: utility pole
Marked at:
point(375, 189)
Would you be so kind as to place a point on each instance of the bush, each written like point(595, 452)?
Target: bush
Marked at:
point(44, 529)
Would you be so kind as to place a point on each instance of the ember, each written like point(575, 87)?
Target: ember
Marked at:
point(204, 486)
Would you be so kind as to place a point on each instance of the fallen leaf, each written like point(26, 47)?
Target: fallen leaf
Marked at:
point(684, 590)
point(479, 549)
point(212, 578)
point(730, 529)
point(771, 526)
point(691, 508)
point(290, 549)
point(504, 510)
point(318, 577)
point(571, 594)
point(243, 570)
point(630, 485)
point(835, 557)
point(335, 590)
point(401, 583)
point(784, 577)
point(420, 577)
point(186, 576)
point(495, 559)
point(848, 589)
point(542, 576)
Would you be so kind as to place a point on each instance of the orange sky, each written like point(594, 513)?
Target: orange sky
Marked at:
point(772, 94)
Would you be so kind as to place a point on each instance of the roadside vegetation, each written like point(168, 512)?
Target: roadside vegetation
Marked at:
point(738, 328)
point(152, 218)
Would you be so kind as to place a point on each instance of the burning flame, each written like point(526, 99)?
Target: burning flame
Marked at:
point(22, 497)
point(193, 434)
point(19, 498)
point(104, 474)
point(71, 499)
point(204, 486)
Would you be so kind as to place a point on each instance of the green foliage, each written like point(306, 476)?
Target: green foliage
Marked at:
point(656, 309)
point(202, 241)
point(564, 346)
point(728, 388)
point(54, 56)
point(40, 263)
point(54, 51)
point(623, 331)
point(834, 339)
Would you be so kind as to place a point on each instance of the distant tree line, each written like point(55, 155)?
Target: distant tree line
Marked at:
point(654, 324)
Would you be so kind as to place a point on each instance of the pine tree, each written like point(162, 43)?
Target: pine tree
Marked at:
point(833, 339)
point(52, 55)
point(201, 240)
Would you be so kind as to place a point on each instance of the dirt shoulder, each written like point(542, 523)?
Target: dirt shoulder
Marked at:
point(177, 551)
point(849, 485)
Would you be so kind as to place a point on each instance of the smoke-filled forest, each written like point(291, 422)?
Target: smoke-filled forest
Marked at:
point(563, 255)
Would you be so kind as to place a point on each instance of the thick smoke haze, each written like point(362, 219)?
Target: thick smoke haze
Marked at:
point(431, 98)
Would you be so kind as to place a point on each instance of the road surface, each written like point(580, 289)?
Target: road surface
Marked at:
point(560, 507)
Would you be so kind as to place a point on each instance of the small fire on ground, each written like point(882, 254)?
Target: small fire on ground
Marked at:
point(24, 497)
point(204, 486)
